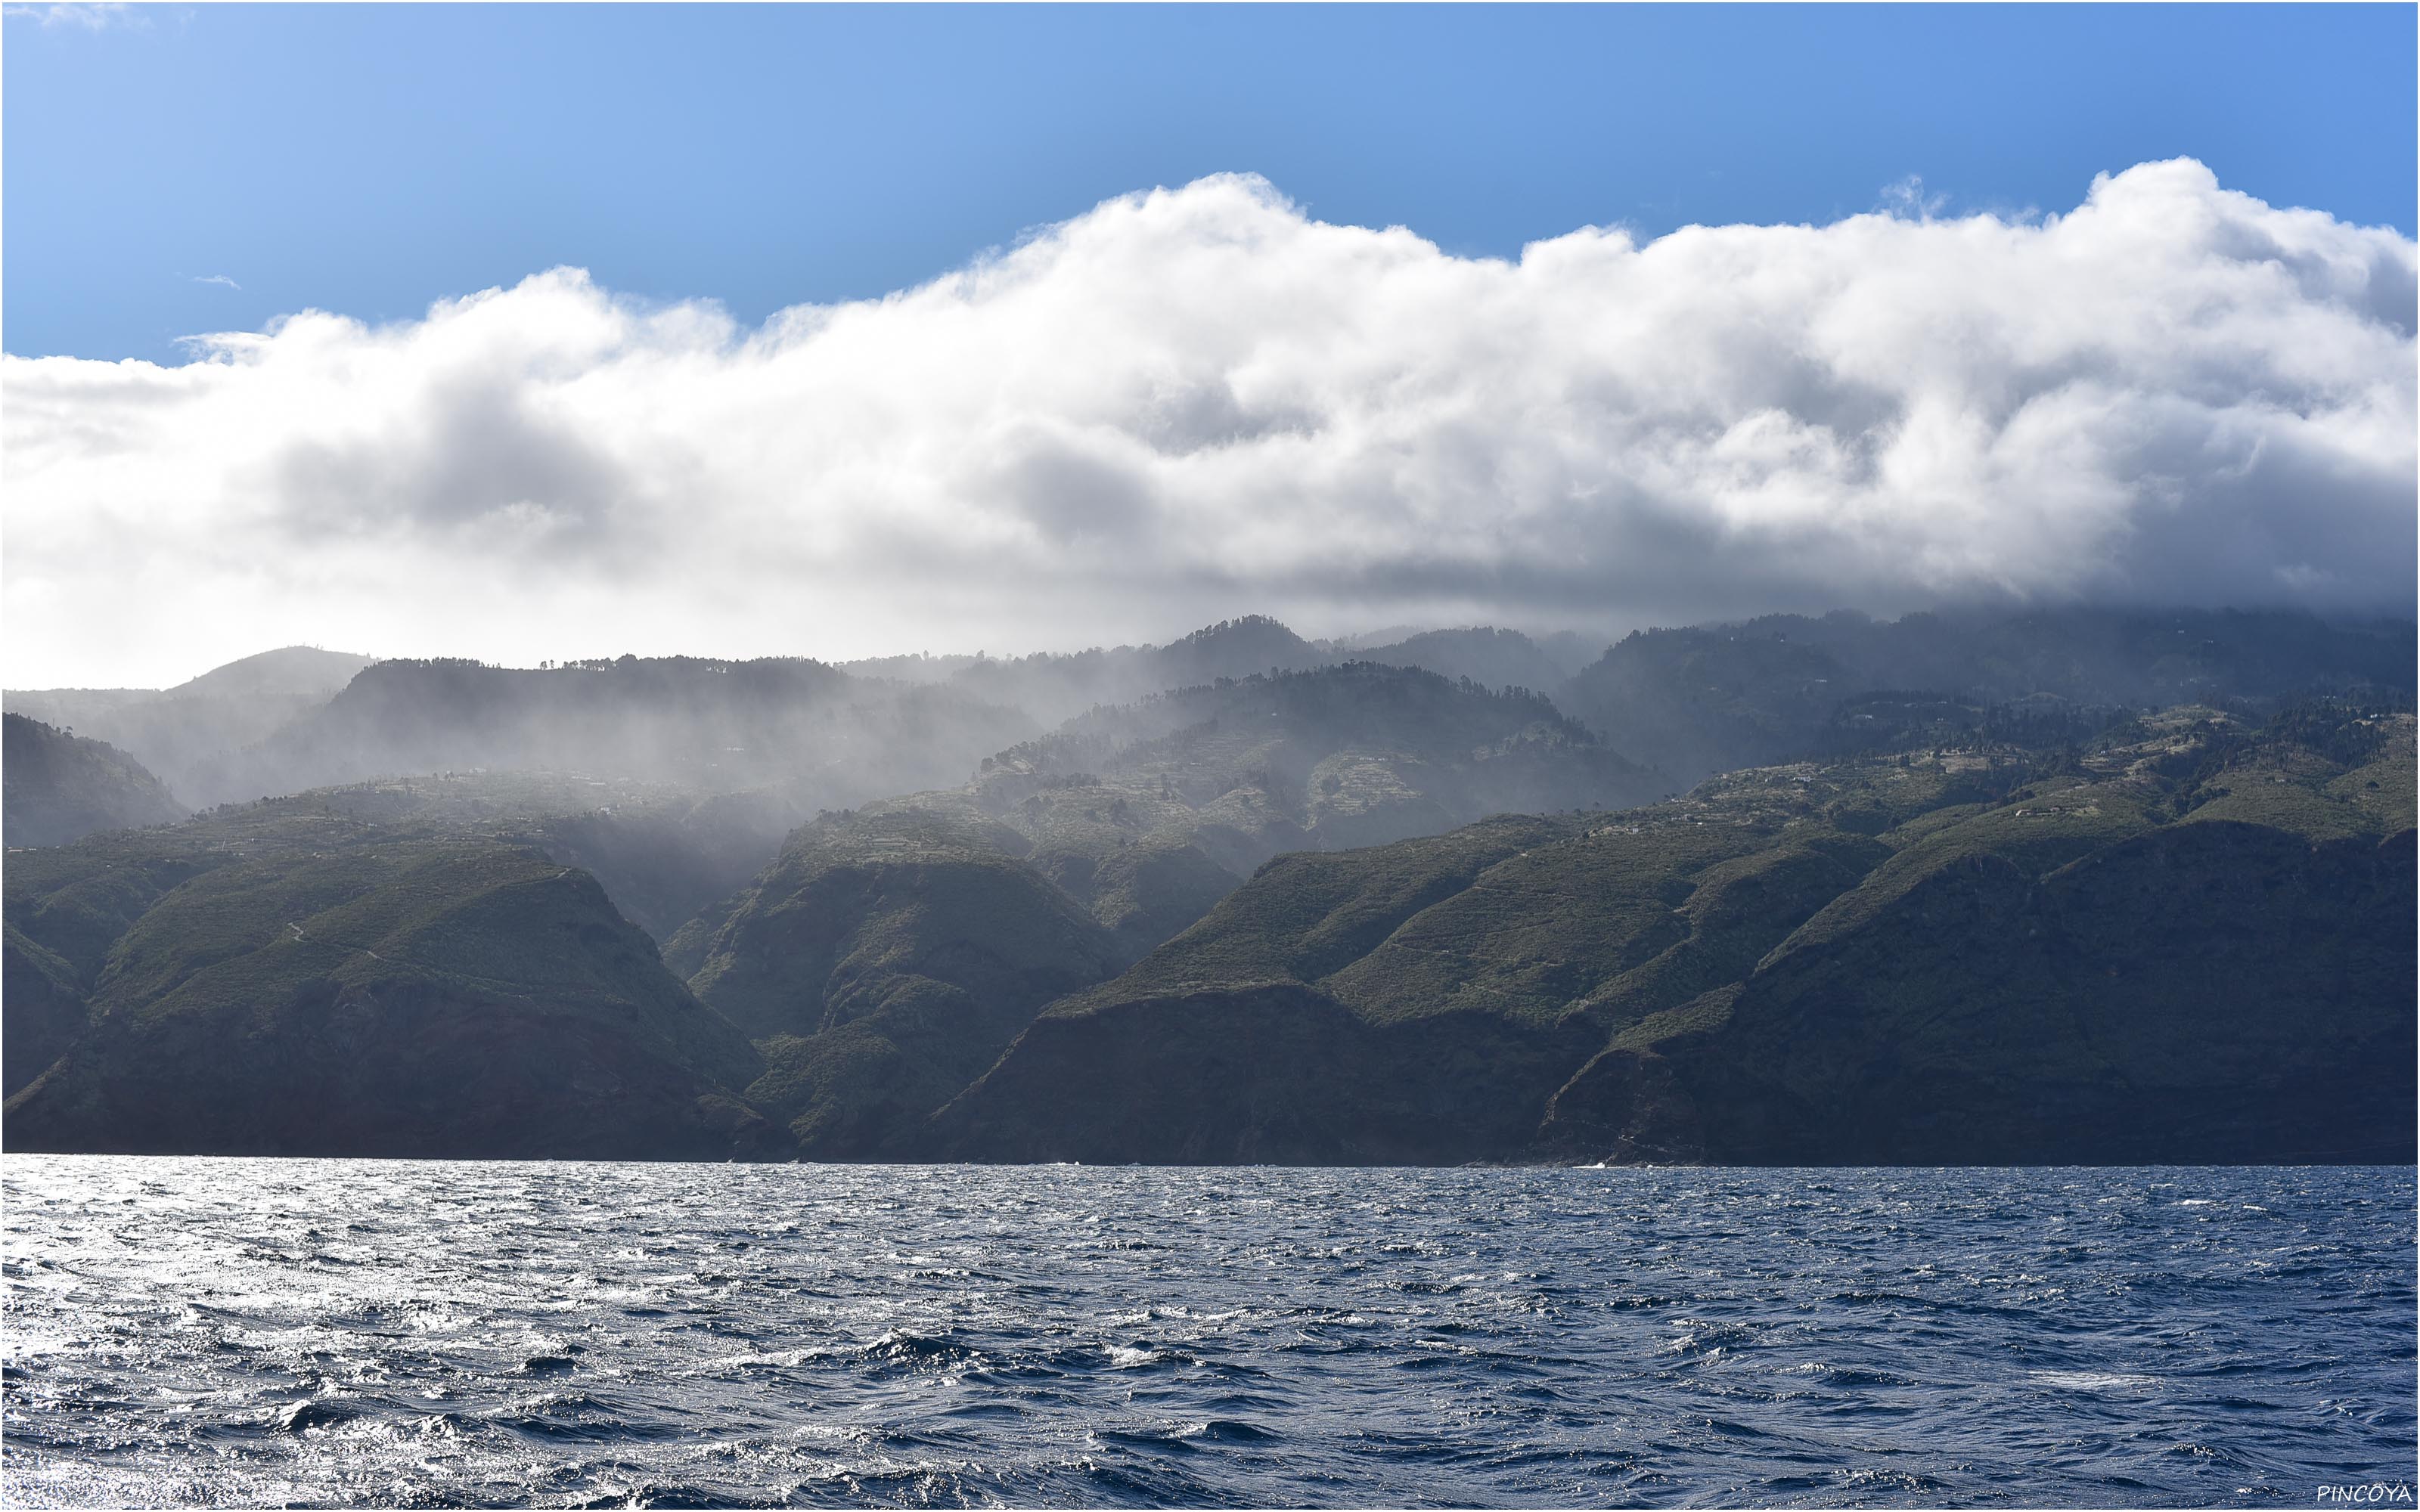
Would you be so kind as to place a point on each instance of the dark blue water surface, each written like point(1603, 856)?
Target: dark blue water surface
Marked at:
point(336, 1332)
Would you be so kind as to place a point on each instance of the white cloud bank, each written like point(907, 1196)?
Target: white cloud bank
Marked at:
point(1194, 403)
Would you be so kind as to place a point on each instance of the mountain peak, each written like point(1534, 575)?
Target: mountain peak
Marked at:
point(305, 671)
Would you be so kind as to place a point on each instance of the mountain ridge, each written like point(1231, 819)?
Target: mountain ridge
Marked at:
point(1346, 912)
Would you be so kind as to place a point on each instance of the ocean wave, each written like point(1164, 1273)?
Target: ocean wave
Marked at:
point(328, 1333)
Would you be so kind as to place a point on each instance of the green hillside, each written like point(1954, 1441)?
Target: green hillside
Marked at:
point(1144, 816)
point(1716, 698)
point(2154, 949)
point(60, 787)
point(1154, 935)
point(1334, 757)
point(893, 952)
point(884, 963)
point(288, 981)
point(661, 852)
point(2112, 966)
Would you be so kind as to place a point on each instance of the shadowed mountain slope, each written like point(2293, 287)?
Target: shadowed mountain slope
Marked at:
point(1785, 687)
point(1145, 815)
point(1488, 657)
point(292, 981)
point(882, 962)
point(1052, 687)
point(195, 735)
point(290, 671)
point(2215, 964)
point(661, 852)
point(2152, 953)
point(1347, 912)
point(1346, 755)
point(61, 787)
point(893, 952)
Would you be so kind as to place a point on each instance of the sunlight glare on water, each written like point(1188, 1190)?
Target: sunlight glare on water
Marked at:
point(405, 1333)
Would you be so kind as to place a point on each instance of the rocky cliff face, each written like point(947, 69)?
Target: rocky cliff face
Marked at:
point(2208, 992)
point(1274, 1072)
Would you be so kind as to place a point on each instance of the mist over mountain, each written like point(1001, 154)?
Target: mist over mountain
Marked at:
point(1685, 701)
point(1301, 901)
point(675, 779)
point(711, 726)
point(1054, 686)
point(198, 733)
point(1487, 656)
point(62, 787)
point(891, 953)
point(286, 721)
point(290, 671)
point(661, 851)
point(1146, 812)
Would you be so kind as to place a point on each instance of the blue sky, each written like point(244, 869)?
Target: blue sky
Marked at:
point(368, 160)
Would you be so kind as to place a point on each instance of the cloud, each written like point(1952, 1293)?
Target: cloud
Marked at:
point(1192, 403)
point(1907, 197)
point(216, 278)
point(91, 18)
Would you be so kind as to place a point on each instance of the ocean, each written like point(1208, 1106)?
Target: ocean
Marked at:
point(354, 1333)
